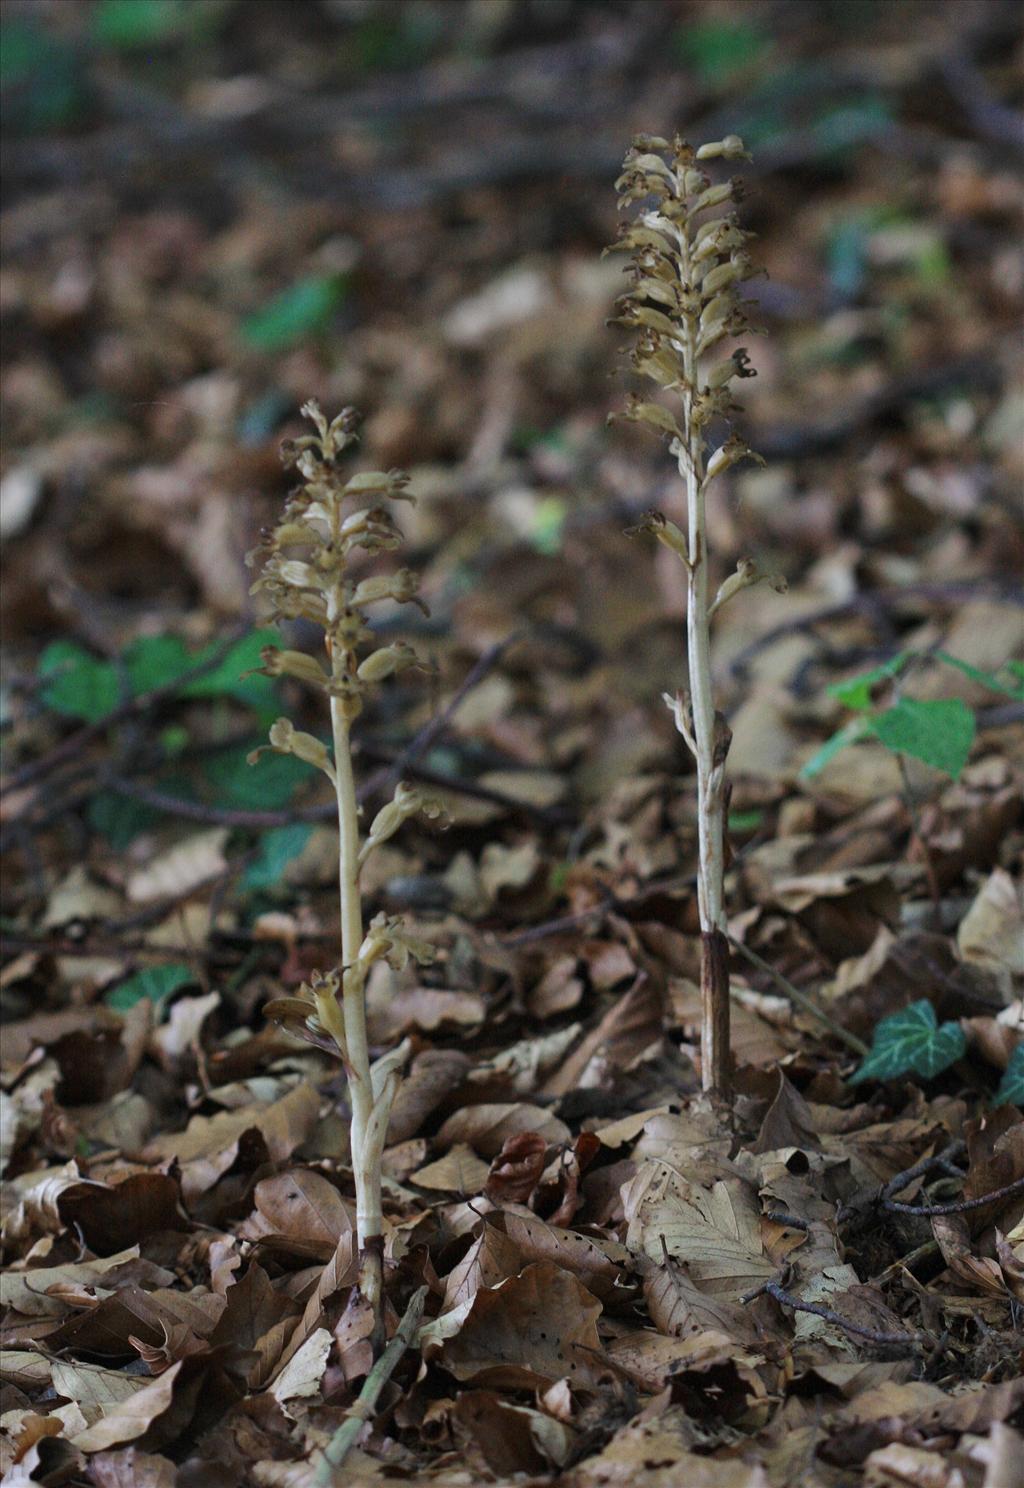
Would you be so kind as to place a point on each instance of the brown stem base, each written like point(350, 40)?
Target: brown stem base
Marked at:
point(714, 988)
point(371, 1285)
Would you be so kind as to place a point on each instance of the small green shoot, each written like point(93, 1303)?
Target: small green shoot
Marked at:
point(938, 731)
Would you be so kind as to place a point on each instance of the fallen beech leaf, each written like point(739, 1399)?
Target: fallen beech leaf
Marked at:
point(181, 868)
point(992, 930)
point(532, 1329)
point(132, 1417)
point(487, 1127)
point(132, 1469)
point(300, 1205)
point(27, 1291)
point(510, 1438)
point(95, 1390)
point(303, 1372)
point(602, 1265)
point(716, 1233)
point(112, 1218)
point(459, 1171)
point(209, 1144)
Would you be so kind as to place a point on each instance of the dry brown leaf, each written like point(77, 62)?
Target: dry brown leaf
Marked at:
point(180, 869)
point(517, 1169)
point(992, 930)
point(209, 1144)
point(715, 1233)
point(28, 1291)
point(534, 1328)
point(132, 1417)
point(657, 1454)
point(299, 1205)
point(132, 1469)
point(486, 1128)
point(459, 1171)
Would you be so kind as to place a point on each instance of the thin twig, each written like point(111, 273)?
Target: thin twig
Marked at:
point(958, 1206)
point(873, 1335)
point(431, 731)
point(344, 1438)
point(801, 998)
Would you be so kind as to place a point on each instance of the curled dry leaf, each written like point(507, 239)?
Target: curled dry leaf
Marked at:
point(517, 1169)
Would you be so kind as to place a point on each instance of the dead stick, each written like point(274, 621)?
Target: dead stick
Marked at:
point(801, 998)
point(344, 1438)
point(874, 1335)
point(958, 1206)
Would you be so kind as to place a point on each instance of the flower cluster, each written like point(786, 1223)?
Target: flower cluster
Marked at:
point(689, 261)
point(305, 571)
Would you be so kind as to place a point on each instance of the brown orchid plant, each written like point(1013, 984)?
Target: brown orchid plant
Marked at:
point(689, 261)
point(306, 573)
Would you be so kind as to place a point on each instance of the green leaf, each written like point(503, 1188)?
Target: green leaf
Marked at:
point(156, 661)
point(120, 819)
point(854, 730)
point(940, 732)
point(270, 784)
point(83, 686)
point(1011, 1086)
point(226, 679)
point(134, 24)
point(276, 850)
point(910, 1042)
point(855, 692)
point(154, 982)
point(991, 680)
point(718, 49)
point(41, 77)
point(296, 312)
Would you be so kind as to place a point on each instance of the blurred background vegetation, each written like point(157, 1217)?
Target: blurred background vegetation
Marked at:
point(217, 208)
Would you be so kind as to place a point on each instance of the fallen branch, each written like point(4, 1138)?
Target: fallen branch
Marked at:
point(957, 1206)
point(873, 1335)
point(344, 1438)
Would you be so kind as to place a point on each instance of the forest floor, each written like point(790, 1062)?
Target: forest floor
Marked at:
point(211, 218)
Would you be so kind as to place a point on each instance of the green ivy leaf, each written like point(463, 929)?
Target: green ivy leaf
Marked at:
point(911, 1042)
point(940, 732)
point(156, 661)
point(276, 850)
point(133, 24)
point(1011, 1086)
point(296, 312)
point(154, 982)
point(83, 686)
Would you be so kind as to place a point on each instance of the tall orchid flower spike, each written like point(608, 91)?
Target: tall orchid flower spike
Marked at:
point(304, 563)
point(689, 262)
